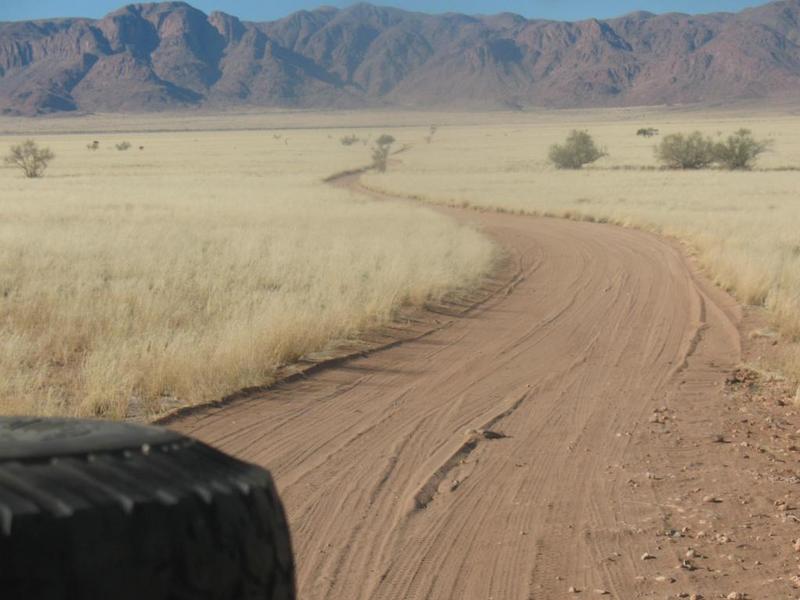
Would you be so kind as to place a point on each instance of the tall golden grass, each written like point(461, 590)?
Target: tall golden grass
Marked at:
point(743, 226)
point(197, 266)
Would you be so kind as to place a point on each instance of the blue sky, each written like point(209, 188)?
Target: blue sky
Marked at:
point(12, 10)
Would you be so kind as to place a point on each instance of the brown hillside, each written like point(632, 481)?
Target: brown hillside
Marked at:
point(170, 55)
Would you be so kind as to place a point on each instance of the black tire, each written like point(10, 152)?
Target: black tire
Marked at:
point(99, 511)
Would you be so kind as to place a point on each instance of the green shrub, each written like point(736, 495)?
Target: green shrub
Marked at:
point(647, 132)
point(679, 151)
point(123, 146)
point(740, 150)
point(349, 140)
point(577, 151)
point(380, 153)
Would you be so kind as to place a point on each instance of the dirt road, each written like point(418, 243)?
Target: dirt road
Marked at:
point(545, 441)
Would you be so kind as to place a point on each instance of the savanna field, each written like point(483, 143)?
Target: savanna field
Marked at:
point(199, 264)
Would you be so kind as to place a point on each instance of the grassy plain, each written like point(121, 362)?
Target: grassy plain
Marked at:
point(744, 227)
point(198, 265)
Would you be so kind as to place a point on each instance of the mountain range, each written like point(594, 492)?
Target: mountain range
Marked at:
point(170, 55)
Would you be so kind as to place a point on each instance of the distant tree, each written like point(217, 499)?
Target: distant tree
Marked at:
point(740, 151)
point(647, 132)
point(431, 132)
point(679, 151)
point(29, 157)
point(122, 146)
point(349, 140)
point(380, 153)
point(94, 145)
point(577, 151)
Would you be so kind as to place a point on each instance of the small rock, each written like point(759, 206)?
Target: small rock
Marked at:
point(600, 592)
point(691, 553)
point(687, 565)
point(796, 545)
point(647, 556)
point(664, 579)
point(573, 590)
point(711, 499)
point(736, 596)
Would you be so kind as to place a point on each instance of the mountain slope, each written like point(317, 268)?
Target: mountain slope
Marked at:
point(170, 55)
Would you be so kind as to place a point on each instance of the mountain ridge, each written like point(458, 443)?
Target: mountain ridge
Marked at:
point(166, 56)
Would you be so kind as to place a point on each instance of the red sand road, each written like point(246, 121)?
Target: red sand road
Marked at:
point(544, 441)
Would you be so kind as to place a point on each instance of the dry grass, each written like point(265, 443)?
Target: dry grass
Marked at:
point(743, 226)
point(199, 265)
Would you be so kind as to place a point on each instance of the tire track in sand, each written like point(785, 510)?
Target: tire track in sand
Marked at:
point(601, 325)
